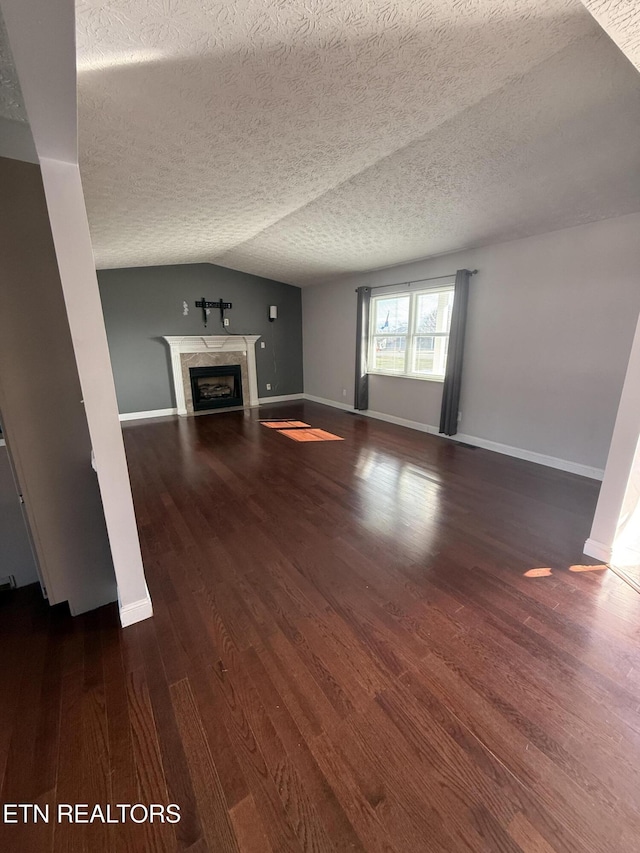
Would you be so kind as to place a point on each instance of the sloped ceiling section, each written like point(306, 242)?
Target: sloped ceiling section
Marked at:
point(11, 102)
point(621, 20)
point(16, 140)
point(304, 139)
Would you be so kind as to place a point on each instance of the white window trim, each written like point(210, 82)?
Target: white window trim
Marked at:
point(410, 336)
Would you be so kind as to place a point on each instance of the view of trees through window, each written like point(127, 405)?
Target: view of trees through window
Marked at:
point(410, 333)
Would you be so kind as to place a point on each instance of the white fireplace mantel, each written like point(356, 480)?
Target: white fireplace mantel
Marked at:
point(245, 344)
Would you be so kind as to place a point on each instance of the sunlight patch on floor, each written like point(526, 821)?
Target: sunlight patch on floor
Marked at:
point(285, 424)
point(587, 568)
point(547, 572)
point(310, 435)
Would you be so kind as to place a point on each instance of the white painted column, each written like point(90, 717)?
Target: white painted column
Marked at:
point(615, 534)
point(622, 451)
point(626, 545)
point(42, 39)
point(70, 229)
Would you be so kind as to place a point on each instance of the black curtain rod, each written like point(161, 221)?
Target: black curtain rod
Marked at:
point(418, 280)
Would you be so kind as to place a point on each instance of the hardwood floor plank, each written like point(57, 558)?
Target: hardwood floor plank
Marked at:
point(556, 792)
point(179, 787)
point(20, 767)
point(527, 837)
point(70, 838)
point(346, 655)
point(271, 809)
point(150, 777)
point(306, 701)
point(191, 633)
point(316, 790)
point(17, 635)
point(96, 783)
point(248, 827)
point(358, 798)
point(212, 806)
point(242, 687)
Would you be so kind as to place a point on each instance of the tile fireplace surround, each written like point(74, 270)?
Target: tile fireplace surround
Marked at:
point(209, 350)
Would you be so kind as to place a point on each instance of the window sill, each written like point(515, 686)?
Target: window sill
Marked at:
point(439, 379)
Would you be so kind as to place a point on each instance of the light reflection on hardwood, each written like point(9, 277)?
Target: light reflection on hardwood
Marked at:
point(347, 654)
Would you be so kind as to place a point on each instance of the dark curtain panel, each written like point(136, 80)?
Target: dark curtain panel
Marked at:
point(453, 375)
point(361, 397)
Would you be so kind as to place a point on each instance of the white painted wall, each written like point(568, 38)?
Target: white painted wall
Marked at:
point(551, 321)
point(70, 229)
point(619, 479)
point(43, 416)
point(16, 556)
point(626, 544)
point(42, 38)
point(16, 141)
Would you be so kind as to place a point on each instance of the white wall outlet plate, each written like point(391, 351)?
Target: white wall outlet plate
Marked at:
point(262, 345)
point(226, 321)
point(268, 386)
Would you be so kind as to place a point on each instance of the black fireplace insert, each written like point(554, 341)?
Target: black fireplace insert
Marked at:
point(218, 387)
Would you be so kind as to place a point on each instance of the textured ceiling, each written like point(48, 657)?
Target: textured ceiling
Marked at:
point(301, 139)
point(11, 103)
point(621, 20)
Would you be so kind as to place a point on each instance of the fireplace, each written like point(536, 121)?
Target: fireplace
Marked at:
point(216, 387)
point(213, 351)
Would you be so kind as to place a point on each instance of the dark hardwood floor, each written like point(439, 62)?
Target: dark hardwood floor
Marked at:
point(346, 655)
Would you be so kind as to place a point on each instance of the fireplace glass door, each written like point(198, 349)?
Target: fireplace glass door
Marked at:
point(218, 387)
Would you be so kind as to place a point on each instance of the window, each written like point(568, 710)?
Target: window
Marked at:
point(409, 333)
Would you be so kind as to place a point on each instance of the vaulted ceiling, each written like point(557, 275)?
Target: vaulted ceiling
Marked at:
point(304, 139)
point(11, 101)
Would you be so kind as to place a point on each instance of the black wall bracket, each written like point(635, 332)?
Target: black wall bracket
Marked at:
point(221, 304)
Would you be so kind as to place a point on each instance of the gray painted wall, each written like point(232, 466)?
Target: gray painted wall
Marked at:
point(42, 412)
point(143, 304)
point(16, 557)
point(16, 141)
point(551, 321)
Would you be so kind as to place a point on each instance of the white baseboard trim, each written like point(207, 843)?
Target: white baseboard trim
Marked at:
point(139, 416)
point(393, 419)
point(136, 611)
point(623, 557)
point(283, 398)
point(344, 406)
point(496, 447)
point(532, 456)
point(486, 444)
point(597, 550)
point(622, 574)
point(163, 413)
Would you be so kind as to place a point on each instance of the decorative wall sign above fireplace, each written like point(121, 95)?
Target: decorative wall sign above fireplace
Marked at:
point(216, 387)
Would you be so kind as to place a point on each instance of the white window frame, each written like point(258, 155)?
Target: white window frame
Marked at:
point(409, 352)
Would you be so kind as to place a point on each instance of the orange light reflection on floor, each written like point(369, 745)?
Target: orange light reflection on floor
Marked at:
point(586, 568)
point(284, 424)
point(309, 435)
point(545, 572)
